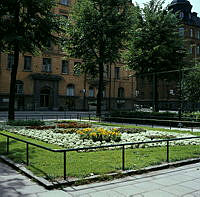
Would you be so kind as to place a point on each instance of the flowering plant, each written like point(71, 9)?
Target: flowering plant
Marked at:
point(99, 134)
point(72, 125)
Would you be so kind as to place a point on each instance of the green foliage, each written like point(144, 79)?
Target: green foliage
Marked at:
point(26, 123)
point(27, 26)
point(30, 24)
point(97, 30)
point(190, 85)
point(155, 44)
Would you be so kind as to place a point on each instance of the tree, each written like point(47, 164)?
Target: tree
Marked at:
point(27, 26)
point(155, 44)
point(97, 32)
point(190, 84)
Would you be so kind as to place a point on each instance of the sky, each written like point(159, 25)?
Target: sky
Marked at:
point(195, 3)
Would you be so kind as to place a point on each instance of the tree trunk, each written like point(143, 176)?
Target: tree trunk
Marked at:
point(100, 90)
point(155, 93)
point(11, 111)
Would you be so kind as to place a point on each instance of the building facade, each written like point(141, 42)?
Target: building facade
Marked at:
point(50, 82)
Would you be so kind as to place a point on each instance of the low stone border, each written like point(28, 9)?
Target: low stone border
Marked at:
point(53, 185)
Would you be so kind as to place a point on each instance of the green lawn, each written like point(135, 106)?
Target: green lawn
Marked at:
point(81, 164)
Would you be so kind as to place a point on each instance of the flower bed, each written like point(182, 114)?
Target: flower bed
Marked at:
point(77, 138)
point(72, 125)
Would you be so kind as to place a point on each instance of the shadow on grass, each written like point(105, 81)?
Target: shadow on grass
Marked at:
point(18, 155)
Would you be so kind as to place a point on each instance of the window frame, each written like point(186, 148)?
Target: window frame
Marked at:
point(25, 62)
point(10, 61)
point(65, 64)
point(70, 90)
point(46, 66)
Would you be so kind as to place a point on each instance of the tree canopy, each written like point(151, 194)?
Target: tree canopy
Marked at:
point(30, 23)
point(27, 26)
point(97, 32)
point(190, 84)
point(155, 43)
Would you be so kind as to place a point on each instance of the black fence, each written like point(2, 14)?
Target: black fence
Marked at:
point(190, 125)
point(58, 116)
point(64, 151)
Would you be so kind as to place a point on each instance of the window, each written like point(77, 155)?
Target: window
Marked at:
point(190, 50)
point(65, 67)
point(181, 31)
point(70, 90)
point(198, 35)
point(19, 87)
point(106, 71)
point(181, 14)
point(191, 33)
point(198, 50)
point(104, 93)
point(77, 70)
point(91, 92)
point(10, 61)
point(117, 72)
point(64, 2)
point(27, 62)
point(46, 67)
point(121, 92)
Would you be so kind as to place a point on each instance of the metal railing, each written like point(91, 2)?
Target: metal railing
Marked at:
point(64, 151)
point(77, 116)
point(155, 122)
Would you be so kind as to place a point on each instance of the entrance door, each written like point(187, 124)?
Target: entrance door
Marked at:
point(44, 98)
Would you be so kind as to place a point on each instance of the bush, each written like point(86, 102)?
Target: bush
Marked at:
point(26, 123)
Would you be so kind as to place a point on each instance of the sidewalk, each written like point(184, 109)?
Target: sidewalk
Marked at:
point(172, 182)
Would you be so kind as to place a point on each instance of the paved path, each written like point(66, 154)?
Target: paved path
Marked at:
point(173, 182)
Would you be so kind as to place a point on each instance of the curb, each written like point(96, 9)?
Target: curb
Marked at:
point(52, 185)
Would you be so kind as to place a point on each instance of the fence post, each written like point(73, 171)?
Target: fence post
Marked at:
point(7, 145)
point(89, 117)
point(123, 157)
point(65, 167)
point(27, 154)
point(168, 151)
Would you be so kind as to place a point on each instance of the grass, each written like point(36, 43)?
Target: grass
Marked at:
point(82, 164)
